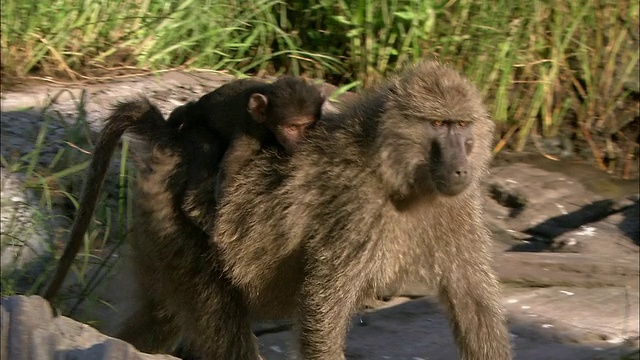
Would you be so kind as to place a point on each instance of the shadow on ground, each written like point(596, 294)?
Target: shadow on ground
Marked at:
point(553, 227)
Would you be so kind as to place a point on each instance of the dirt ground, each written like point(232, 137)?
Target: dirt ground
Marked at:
point(563, 302)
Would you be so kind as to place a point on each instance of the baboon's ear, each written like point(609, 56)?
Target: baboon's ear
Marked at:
point(257, 107)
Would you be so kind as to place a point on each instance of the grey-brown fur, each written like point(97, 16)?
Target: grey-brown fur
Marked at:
point(352, 211)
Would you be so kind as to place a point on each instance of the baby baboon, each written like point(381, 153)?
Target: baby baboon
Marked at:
point(245, 116)
point(386, 190)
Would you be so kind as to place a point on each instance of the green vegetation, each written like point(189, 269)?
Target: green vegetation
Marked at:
point(537, 62)
point(52, 182)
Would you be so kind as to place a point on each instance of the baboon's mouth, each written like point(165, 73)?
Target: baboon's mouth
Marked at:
point(449, 189)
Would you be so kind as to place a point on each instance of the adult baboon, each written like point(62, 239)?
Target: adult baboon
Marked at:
point(386, 190)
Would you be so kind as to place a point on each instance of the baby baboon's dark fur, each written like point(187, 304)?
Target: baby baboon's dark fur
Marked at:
point(386, 190)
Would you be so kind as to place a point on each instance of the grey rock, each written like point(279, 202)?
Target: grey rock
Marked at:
point(536, 194)
point(27, 314)
point(569, 245)
point(44, 345)
point(30, 332)
point(4, 333)
point(541, 203)
point(620, 229)
point(23, 235)
point(110, 349)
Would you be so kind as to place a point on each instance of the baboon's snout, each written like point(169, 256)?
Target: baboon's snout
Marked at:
point(450, 168)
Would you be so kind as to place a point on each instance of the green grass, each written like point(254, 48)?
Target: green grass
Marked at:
point(55, 183)
point(538, 63)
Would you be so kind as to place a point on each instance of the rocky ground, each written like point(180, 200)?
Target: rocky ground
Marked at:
point(566, 250)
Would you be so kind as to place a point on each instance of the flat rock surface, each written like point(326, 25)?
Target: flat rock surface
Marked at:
point(566, 249)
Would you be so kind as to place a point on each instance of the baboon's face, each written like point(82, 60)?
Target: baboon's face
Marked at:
point(290, 131)
point(430, 132)
point(439, 156)
point(291, 107)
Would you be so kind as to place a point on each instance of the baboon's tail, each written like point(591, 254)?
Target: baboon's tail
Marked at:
point(140, 117)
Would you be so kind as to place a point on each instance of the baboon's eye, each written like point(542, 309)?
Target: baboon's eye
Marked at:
point(437, 123)
point(462, 124)
point(293, 128)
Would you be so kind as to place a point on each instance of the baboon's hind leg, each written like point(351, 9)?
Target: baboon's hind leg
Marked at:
point(218, 323)
point(150, 329)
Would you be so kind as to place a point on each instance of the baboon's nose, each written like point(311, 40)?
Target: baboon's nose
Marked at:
point(454, 181)
point(460, 175)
